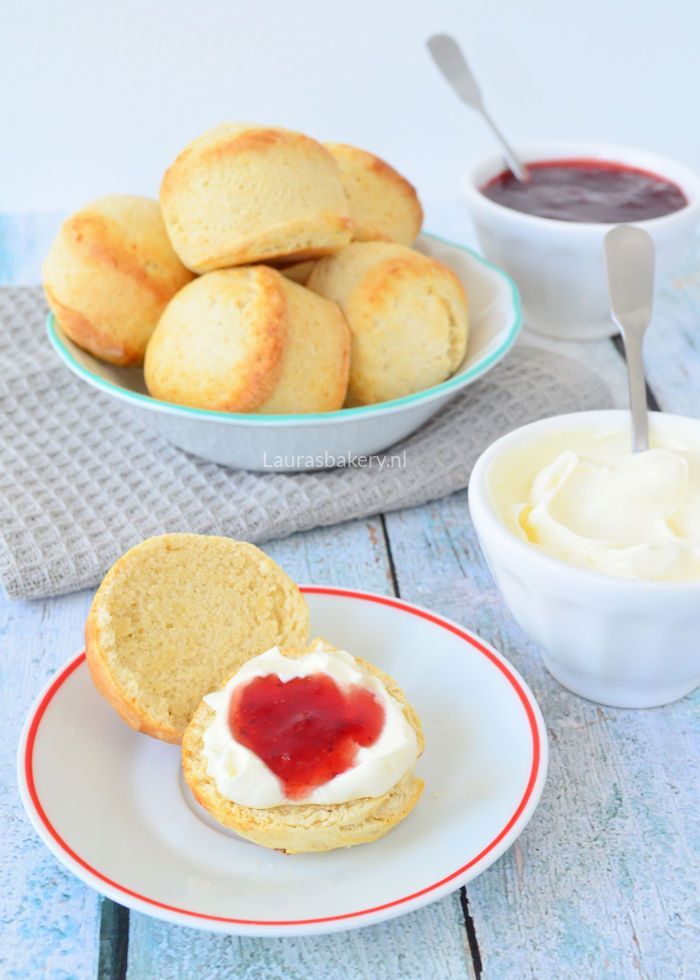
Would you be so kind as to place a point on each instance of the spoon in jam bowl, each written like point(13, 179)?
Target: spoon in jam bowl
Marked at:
point(448, 56)
point(630, 258)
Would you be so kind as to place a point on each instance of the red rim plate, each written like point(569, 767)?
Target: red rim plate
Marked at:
point(536, 775)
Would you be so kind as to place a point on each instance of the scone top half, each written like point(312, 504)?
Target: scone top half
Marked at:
point(178, 614)
point(242, 193)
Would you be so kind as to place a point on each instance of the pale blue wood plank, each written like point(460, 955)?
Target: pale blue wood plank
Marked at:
point(419, 946)
point(604, 880)
point(49, 925)
point(672, 345)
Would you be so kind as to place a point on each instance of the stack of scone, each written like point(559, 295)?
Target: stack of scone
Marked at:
point(204, 641)
point(275, 276)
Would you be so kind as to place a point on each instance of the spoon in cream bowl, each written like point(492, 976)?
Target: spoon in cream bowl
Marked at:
point(630, 260)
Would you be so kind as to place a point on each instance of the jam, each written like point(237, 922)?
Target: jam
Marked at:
point(306, 730)
point(587, 190)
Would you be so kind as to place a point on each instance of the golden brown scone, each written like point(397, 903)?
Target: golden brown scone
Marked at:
point(175, 616)
point(307, 827)
point(109, 274)
point(242, 193)
point(250, 340)
point(383, 205)
point(407, 315)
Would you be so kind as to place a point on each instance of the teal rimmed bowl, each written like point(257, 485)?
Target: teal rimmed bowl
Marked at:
point(290, 443)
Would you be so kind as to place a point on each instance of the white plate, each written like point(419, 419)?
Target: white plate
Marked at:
point(112, 807)
point(288, 443)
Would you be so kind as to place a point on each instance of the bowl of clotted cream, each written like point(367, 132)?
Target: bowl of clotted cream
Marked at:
point(597, 550)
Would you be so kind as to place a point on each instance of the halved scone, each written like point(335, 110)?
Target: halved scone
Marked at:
point(176, 615)
point(302, 827)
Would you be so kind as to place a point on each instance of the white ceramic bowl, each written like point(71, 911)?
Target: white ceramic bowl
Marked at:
point(629, 644)
point(558, 265)
point(289, 443)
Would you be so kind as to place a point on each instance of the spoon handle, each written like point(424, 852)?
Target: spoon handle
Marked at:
point(449, 58)
point(630, 260)
point(514, 164)
point(634, 343)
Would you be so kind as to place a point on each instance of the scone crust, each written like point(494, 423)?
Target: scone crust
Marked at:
point(310, 827)
point(220, 343)
point(104, 678)
point(126, 706)
point(316, 359)
point(109, 275)
point(407, 314)
point(250, 340)
point(219, 211)
point(384, 206)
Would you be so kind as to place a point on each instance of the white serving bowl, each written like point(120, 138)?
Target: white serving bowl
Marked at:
point(558, 265)
point(289, 443)
point(621, 642)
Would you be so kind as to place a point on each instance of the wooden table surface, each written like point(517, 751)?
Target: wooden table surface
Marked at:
point(602, 883)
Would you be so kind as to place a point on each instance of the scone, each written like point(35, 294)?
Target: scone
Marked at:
point(249, 340)
point(109, 275)
point(383, 205)
point(175, 616)
point(242, 193)
point(322, 757)
point(407, 315)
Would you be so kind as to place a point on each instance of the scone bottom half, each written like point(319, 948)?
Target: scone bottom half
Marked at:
point(178, 614)
point(304, 827)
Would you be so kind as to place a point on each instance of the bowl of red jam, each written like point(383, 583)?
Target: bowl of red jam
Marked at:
point(548, 232)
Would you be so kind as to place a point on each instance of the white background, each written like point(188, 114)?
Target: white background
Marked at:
point(98, 97)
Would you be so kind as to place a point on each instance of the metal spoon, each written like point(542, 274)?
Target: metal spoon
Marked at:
point(448, 56)
point(629, 257)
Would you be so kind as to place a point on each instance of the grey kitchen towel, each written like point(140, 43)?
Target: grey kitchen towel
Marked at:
point(81, 481)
